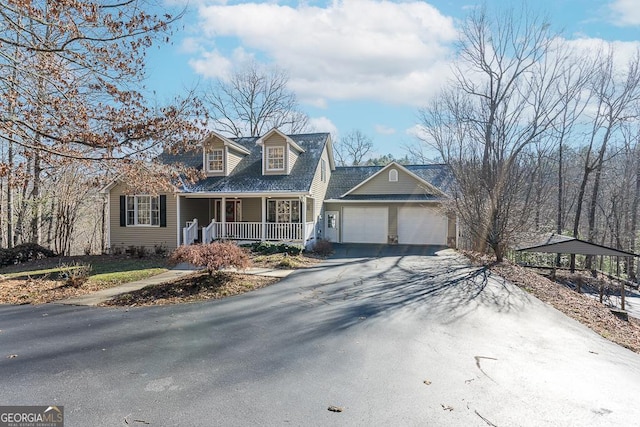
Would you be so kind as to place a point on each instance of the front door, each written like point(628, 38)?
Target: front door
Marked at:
point(232, 211)
point(331, 226)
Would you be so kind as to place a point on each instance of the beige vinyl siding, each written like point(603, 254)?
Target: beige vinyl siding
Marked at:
point(380, 184)
point(123, 237)
point(293, 156)
point(319, 187)
point(252, 210)
point(232, 160)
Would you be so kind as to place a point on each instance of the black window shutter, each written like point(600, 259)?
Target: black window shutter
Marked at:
point(163, 210)
point(123, 211)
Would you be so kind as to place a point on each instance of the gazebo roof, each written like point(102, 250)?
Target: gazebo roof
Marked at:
point(559, 244)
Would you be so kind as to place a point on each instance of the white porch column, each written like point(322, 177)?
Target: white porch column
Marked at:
point(223, 215)
point(303, 217)
point(179, 229)
point(263, 231)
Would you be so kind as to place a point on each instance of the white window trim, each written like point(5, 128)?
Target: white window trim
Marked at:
point(270, 157)
point(135, 210)
point(393, 175)
point(323, 170)
point(211, 153)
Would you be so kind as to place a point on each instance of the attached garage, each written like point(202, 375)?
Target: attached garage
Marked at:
point(421, 226)
point(365, 224)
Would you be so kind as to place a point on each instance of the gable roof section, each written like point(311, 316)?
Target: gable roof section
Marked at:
point(345, 179)
point(287, 138)
point(397, 166)
point(247, 176)
point(227, 142)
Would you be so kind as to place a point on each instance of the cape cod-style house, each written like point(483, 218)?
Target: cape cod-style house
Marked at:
point(285, 188)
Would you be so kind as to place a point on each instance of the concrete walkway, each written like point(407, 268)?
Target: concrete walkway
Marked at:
point(180, 270)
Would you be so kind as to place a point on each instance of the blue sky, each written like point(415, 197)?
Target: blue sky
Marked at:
point(356, 64)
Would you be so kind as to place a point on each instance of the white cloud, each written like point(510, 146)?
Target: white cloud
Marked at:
point(349, 49)
point(417, 131)
point(212, 64)
point(625, 12)
point(622, 52)
point(384, 130)
point(324, 124)
point(190, 45)
point(215, 65)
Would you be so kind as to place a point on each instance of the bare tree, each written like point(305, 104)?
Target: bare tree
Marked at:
point(253, 101)
point(614, 98)
point(502, 100)
point(67, 73)
point(353, 148)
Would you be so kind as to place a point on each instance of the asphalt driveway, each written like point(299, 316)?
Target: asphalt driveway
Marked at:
point(358, 332)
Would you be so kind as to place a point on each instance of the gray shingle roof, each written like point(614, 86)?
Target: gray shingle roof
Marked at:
point(345, 178)
point(391, 197)
point(247, 176)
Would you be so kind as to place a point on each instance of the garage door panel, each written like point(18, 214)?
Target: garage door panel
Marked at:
point(422, 226)
point(365, 224)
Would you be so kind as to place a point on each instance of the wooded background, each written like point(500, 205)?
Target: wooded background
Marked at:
point(541, 135)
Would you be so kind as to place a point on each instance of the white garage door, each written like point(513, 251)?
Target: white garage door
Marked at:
point(365, 225)
point(421, 226)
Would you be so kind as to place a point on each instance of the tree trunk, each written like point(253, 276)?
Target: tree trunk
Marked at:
point(576, 220)
point(591, 220)
point(36, 203)
point(560, 197)
point(634, 218)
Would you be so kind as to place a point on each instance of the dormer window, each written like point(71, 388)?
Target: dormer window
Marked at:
point(393, 175)
point(275, 158)
point(215, 161)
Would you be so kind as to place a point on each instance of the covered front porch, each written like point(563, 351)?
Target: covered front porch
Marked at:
point(205, 218)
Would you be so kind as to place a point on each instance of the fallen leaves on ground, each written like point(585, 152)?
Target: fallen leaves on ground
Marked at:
point(195, 287)
point(41, 291)
point(47, 289)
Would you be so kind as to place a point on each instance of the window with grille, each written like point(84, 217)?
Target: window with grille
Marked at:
point(283, 211)
point(275, 158)
point(143, 210)
point(215, 161)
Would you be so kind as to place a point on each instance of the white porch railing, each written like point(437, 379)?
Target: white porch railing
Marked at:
point(241, 230)
point(190, 232)
point(288, 232)
point(209, 232)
